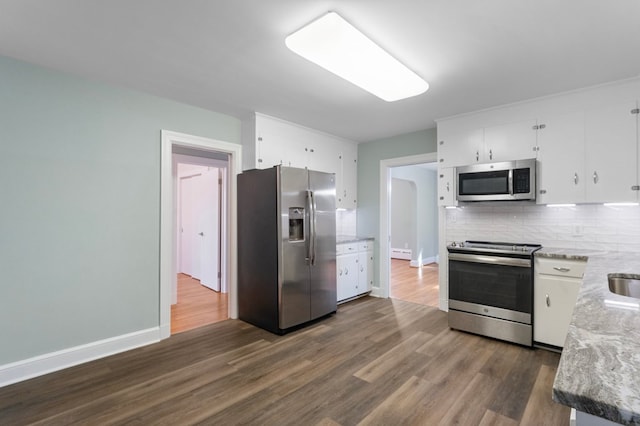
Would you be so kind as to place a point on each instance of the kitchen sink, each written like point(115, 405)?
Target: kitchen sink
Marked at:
point(623, 285)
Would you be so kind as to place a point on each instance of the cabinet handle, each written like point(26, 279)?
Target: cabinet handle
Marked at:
point(575, 178)
point(548, 301)
point(340, 271)
point(595, 177)
point(561, 269)
point(447, 186)
point(346, 271)
point(361, 268)
point(477, 155)
point(490, 154)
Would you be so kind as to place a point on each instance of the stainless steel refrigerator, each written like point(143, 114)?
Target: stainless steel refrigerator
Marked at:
point(286, 247)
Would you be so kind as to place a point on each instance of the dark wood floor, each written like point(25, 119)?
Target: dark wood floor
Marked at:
point(377, 361)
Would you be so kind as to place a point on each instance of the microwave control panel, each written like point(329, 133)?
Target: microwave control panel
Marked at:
point(521, 181)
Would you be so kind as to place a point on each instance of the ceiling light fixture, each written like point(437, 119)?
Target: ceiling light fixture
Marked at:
point(620, 204)
point(334, 44)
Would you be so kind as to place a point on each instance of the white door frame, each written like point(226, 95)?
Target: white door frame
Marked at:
point(168, 224)
point(385, 214)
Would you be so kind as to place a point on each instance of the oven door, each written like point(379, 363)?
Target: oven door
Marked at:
point(501, 287)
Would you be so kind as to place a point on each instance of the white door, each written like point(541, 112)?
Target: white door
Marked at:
point(209, 233)
point(188, 225)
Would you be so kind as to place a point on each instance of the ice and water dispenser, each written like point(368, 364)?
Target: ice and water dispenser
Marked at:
point(296, 224)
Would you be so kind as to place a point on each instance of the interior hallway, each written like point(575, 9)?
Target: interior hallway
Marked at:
point(197, 305)
point(417, 285)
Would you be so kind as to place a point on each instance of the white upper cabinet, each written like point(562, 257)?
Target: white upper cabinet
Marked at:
point(586, 143)
point(611, 161)
point(462, 144)
point(560, 172)
point(590, 156)
point(347, 184)
point(446, 187)
point(458, 146)
point(269, 142)
point(511, 141)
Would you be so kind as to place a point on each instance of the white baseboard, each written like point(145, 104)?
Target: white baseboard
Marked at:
point(54, 361)
point(425, 261)
point(165, 331)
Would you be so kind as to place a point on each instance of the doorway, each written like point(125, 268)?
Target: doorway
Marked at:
point(413, 219)
point(201, 294)
point(201, 148)
point(421, 257)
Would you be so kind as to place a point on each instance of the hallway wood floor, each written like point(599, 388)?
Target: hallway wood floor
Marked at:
point(417, 285)
point(197, 305)
point(375, 362)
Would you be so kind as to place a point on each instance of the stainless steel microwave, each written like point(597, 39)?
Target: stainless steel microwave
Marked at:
point(509, 180)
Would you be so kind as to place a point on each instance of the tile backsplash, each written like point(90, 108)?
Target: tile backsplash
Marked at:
point(614, 228)
point(346, 222)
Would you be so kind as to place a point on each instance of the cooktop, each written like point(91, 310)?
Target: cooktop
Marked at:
point(493, 247)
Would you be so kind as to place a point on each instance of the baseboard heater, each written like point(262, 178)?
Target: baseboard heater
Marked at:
point(397, 253)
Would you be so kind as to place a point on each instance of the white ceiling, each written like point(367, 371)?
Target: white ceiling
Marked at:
point(229, 56)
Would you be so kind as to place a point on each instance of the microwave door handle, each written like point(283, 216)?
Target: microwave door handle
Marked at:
point(510, 182)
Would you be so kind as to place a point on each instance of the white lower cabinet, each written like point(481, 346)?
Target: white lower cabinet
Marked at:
point(354, 269)
point(556, 286)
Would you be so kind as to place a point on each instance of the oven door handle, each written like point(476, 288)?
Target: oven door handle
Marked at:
point(491, 260)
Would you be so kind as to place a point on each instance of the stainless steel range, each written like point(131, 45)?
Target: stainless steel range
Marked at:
point(491, 289)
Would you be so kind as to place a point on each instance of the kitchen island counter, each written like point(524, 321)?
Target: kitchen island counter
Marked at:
point(599, 370)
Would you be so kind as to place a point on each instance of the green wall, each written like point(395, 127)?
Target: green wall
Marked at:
point(369, 156)
point(79, 223)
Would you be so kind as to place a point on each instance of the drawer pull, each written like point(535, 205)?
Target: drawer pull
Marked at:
point(548, 301)
point(561, 269)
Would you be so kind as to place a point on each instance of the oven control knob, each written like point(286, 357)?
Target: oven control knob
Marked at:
point(460, 244)
point(453, 244)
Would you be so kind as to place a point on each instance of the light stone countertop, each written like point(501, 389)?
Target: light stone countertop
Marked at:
point(342, 239)
point(599, 370)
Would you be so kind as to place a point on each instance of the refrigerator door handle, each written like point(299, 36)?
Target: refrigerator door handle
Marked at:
point(308, 230)
point(312, 228)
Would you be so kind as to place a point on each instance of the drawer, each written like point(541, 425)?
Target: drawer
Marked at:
point(346, 248)
point(366, 245)
point(560, 267)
